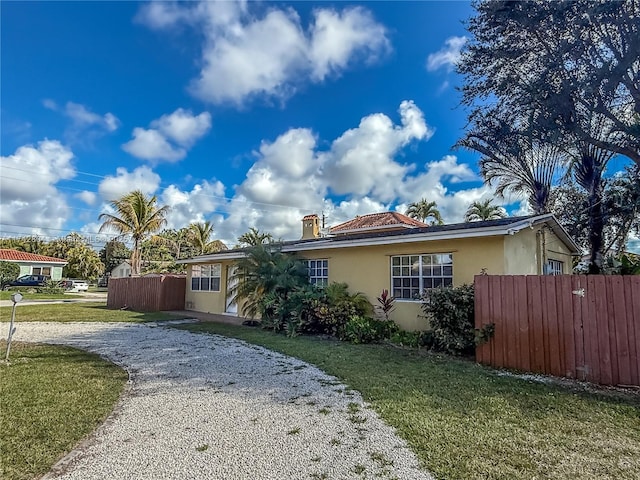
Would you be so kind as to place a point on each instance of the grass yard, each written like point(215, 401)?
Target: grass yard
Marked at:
point(6, 295)
point(79, 312)
point(465, 421)
point(52, 397)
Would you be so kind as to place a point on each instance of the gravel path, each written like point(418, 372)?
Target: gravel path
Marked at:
point(209, 407)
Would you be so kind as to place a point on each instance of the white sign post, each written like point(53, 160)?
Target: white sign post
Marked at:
point(15, 298)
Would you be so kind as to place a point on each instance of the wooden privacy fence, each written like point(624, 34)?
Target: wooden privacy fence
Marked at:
point(147, 294)
point(576, 326)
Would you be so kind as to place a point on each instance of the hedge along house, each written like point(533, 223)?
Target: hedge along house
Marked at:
point(392, 251)
point(33, 264)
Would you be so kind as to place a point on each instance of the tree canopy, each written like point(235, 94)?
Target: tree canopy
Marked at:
point(137, 216)
point(423, 209)
point(484, 210)
point(552, 67)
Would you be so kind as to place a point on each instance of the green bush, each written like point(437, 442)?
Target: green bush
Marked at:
point(8, 272)
point(360, 329)
point(450, 311)
point(312, 310)
point(50, 287)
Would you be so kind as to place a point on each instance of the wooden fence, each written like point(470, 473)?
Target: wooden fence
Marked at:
point(576, 326)
point(147, 294)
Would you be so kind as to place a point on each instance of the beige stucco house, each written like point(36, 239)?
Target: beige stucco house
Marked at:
point(391, 251)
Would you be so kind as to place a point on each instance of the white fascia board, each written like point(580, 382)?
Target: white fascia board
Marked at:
point(424, 237)
point(211, 258)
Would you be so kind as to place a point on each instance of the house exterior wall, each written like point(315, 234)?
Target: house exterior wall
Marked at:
point(121, 271)
point(209, 302)
point(368, 269)
point(523, 252)
point(26, 268)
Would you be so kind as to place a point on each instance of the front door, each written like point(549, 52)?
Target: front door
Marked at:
point(232, 307)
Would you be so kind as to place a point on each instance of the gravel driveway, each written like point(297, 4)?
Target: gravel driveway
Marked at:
point(209, 407)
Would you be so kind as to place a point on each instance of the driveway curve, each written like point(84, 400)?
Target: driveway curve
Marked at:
point(208, 407)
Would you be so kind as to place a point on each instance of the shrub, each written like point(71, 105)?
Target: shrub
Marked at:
point(450, 311)
point(50, 287)
point(360, 329)
point(386, 304)
point(8, 272)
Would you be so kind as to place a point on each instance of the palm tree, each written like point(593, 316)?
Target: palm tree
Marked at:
point(137, 216)
point(254, 237)
point(423, 209)
point(262, 271)
point(480, 211)
point(200, 234)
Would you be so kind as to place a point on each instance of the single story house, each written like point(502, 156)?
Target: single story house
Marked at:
point(34, 264)
point(394, 252)
point(121, 271)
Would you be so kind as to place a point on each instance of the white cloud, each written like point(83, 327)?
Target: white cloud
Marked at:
point(183, 127)
point(29, 195)
point(152, 145)
point(198, 205)
point(448, 56)
point(170, 136)
point(83, 118)
point(90, 198)
point(361, 161)
point(142, 178)
point(246, 55)
point(86, 126)
point(336, 37)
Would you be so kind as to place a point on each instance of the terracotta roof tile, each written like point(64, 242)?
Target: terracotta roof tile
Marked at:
point(18, 256)
point(307, 217)
point(377, 221)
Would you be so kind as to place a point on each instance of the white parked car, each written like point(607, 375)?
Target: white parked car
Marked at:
point(76, 286)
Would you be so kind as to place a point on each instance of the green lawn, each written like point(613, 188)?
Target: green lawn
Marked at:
point(6, 295)
point(465, 421)
point(79, 312)
point(52, 397)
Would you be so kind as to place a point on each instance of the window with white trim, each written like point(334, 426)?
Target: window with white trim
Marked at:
point(411, 275)
point(318, 272)
point(206, 278)
point(46, 271)
point(554, 267)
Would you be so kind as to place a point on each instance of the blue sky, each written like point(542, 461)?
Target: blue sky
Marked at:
point(246, 114)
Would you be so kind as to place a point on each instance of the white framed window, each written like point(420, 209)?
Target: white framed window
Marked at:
point(318, 271)
point(46, 271)
point(206, 278)
point(554, 267)
point(411, 275)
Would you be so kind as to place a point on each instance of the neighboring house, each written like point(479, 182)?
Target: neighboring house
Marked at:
point(121, 271)
point(33, 264)
point(392, 251)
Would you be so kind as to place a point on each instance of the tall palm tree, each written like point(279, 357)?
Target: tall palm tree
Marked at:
point(254, 237)
point(423, 209)
point(137, 216)
point(200, 237)
point(480, 211)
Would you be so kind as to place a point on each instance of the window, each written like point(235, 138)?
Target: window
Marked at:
point(554, 267)
point(46, 271)
point(206, 278)
point(411, 275)
point(318, 272)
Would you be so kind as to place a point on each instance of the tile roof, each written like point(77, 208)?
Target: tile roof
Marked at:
point(307, 217)
point(18, 256)
point(377, 221)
